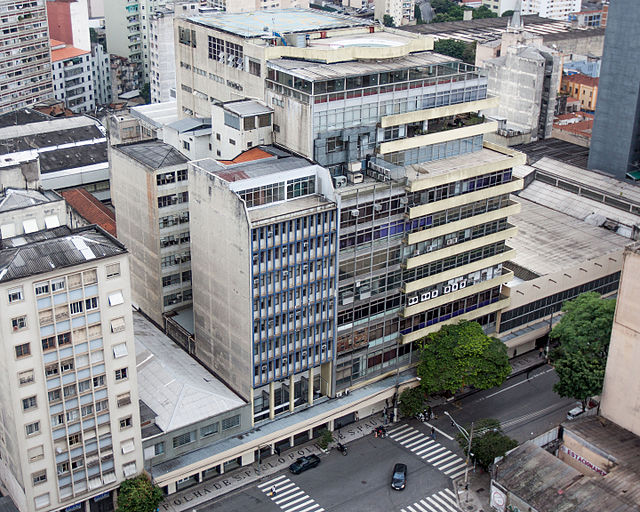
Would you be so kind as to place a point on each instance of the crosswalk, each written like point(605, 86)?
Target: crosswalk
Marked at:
point(427, 449)
point(443, 501)
point(289, 497)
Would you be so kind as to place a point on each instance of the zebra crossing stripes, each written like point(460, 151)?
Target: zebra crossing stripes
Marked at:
point(429, 450)
point(289, 497)
point(442, 501)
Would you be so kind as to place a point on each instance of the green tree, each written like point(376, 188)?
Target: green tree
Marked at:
point(387, 21)
point(412, 401)
point(145, 92)
point(489, 442)
point(325, 438)
point(451, 47)
point(139, 495)
point(460, 355)
point(583, 334)
point(483, 12)
point(469, 53)
point(417, 14)
point(508, 13)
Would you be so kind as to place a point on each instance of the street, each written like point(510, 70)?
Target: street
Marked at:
point(526, 405)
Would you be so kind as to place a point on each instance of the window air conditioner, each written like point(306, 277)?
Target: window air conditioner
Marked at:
point(355, 213)
point(413, 300)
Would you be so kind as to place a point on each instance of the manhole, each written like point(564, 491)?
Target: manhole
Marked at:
point(363, 482)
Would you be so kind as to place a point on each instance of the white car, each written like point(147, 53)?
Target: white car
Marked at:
point(575, 412)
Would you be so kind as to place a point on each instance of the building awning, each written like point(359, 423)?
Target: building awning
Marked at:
point(634, 175)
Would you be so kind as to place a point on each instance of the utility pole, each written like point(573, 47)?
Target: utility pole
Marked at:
point(466, 468)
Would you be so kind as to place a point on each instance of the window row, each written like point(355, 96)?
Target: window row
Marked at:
point(318, 221)
point(171, 199)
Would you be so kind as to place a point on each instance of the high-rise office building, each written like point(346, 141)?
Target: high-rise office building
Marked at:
point(615, 140)
point(70, 417)
point(25, 54)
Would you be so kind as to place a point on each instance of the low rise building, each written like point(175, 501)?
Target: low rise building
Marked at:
point(83, 209)
point(24, 211)
point(582, 87)
point(400, 11)
point(574, 127)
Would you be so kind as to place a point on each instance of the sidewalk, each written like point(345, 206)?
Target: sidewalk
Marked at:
point(479, 492)
point(197, 495)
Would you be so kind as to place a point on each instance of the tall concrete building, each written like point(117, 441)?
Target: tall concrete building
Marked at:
point(25, 76)
point(70, 417)
point(72, 78)
point(615, 140)
point(402, 11)
point(150, 194)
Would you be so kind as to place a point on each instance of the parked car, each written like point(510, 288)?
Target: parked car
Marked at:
point(575, 412)
point(304, 463)
point(399, 477)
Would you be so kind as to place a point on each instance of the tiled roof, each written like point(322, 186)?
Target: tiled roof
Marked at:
point(91, 209)
point(581, 79)
point(68, 52)
point(248, 156)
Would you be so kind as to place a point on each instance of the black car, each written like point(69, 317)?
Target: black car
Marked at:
point(399, 477)
point(304, 463)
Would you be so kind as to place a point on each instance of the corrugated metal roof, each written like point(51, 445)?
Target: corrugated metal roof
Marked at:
point(247, 108)
point(14, 199)
point(154, 154)
point(49, 250)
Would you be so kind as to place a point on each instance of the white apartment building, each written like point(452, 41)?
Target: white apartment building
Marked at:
point(70, 424)
point(69, 22)
point(150, 194)
point(101, 74)
point(162, 62)
point(25, 62)
point(238, 126)
point(72, 77)
point(500, 6)
point(402, 11)
point(255, 5)
point(554, 9)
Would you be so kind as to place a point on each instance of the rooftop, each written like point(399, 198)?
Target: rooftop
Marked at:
point(443, 166)
point(579, 78)
point(289, 207)
point(557, 149)
point(280, 21)
point(189, 124)
point(62, 51)
point(313, 71)
point(252, 169)
point(154, 154)
point(250, 155)
point(174, 385)
point(549, 241)
point(157, 114)
point(23, 116)
point(53, 249)
point(91, 209)
point(17, 198)
point(246, 108)
point(74, 157)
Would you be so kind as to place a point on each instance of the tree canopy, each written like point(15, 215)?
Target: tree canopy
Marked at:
point(387, 21)
point(139, 495)
point(489, 442)
point(412, 401)
point(460, 355)
point(583, 334)
point(446, 10)
point(508, 13)
point(456, 49)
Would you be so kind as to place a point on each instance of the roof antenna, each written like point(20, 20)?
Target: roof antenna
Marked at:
point(515, 23)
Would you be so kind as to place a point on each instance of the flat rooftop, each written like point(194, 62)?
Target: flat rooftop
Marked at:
point(288, 207)
point(314, 71)
point(378, 39)
point(280, 21)
point(556, 149)
point(549, 241)
point(157, 114)
point(52, 249)
point(247, 107)
point(175, 386)
point(252, 169)
point(417, 171)
point(154, 154)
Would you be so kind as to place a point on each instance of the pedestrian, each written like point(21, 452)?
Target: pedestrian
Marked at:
point(429, 413)
point(273, 491)
point(541, 352)
point(515, 352)
point(433, 433)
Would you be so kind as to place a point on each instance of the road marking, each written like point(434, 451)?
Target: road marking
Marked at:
point(296, 492)
point(514, 385)
point(416, 437)
point(435, 503)
point(440, 464)
point(439, 431)
point(447, 505)
point(457, 460)
point(397, 429)
point(438, 502)
point(456, 475)
point(445, 454)
point(531, 415)
point(433, 452)
point(270, 482)
point(289, 497)
point(404, 435)
point(310, 508)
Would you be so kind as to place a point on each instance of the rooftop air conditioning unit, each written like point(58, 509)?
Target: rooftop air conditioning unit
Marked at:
point(339, 181)
point(413, 300)
point(356, 177)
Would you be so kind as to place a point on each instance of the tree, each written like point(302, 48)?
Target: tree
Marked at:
point(483, 12)
point(460, 355)
point(387, 21)
point(145, 92)
point(412, 401)
point(417, 14)
point(583, 334)
point(325, 438)
point(456, 49)
point(507, 13)
point(489, 442)
point(139, 495)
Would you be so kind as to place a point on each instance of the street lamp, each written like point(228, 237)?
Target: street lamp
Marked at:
point(469, 437)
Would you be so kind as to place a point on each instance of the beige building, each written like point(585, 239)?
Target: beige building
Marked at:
point(621, 393)
point(70, 424)
point(402, 11)
point(240, 125)
point(151, 197)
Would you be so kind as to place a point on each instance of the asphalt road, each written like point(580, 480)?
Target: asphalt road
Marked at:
point(526, 406)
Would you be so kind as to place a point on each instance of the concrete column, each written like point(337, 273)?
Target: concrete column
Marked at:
point(292, 393)
point(310, 390)
point(252, 410)
point(272, 401)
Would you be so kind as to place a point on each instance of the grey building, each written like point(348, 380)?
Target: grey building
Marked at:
point(615, 141)
point(152, 214)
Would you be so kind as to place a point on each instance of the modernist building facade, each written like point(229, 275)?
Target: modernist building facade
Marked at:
point(72, 78)
point(71, 423)
point(150, 184)
point(25, 57)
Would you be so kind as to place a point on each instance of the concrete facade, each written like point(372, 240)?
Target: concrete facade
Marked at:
point(239, 129)
point(402, 11)
point(101, 74)
point(71, 423)
point(615, 141)
point(72, 77)
point(621, 392)
point(27, 77)
point(554, 9)
point(151, 202)
point(255, 5)
point(69, 22)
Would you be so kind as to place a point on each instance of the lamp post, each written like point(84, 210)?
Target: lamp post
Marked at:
point(469, 437)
